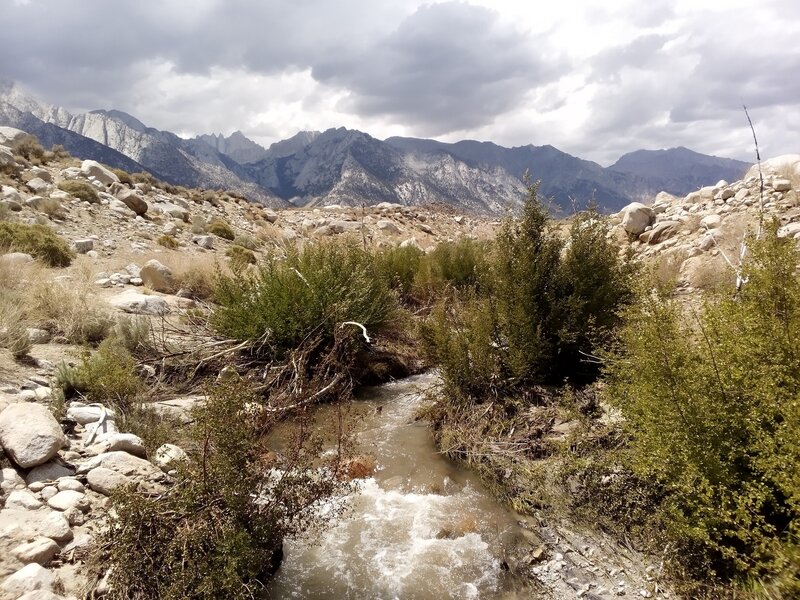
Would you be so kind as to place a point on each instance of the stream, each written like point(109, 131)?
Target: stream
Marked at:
point(421, 527)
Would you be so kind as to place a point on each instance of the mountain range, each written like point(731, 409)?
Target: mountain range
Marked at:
point(350, 167)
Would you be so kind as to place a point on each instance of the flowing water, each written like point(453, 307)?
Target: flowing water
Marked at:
point(421, 527)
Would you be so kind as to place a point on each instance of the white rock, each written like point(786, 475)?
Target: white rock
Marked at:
point(636, 217)
point(121, 442)
point(40, 551)
point(16, 258)
point(85, 414)
point(38, 336)
point(204, 241)
point(92, 168)
point(169, 456)
point(69, 499)
point(30, 434)
point(28, 579)
point(38, 185)
point(48, 492)
point(70, 484)
point(782, 185)
point(10, 480)
point(388, 226)
point(22, 499)
point(105, 481)
point(131, 301)
point(83, 246)
point(711, 221)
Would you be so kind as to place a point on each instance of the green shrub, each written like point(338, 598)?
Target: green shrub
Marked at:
point(309, 292)
point(136, 335)
point(37, 240)
point(456, 264)
point(221, 229)
point(80, 190)
point(217, 533)
point(240, 257)
point(29, 148)
point(167, 241)
point(546, 305)
point(712, 404)
point(107, 376)
point(399, 267)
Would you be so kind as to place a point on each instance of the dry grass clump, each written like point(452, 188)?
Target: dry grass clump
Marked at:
point(29, 148)
point(194, 273)
point(51, 207)
point(68, 309)
point(168, 242)
point(80, 190)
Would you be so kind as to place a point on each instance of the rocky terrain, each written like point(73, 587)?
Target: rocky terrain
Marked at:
point(350, 167)
point(135, 245)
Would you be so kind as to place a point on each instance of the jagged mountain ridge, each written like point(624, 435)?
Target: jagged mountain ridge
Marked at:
point(349, 167)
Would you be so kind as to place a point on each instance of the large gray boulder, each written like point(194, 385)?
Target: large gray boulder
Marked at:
point(636, 217)
point(92, 168)
point(157, 276)
point(132, 200)
point(29, 434)
point(7, 159)
point(9, 135)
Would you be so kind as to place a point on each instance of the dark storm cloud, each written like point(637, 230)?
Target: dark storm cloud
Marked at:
point(447, 66)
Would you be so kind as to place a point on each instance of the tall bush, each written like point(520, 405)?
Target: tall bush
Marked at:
point(711, 399)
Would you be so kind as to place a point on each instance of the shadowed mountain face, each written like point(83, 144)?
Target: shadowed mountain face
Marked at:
point(679, 170)
point(349, 167)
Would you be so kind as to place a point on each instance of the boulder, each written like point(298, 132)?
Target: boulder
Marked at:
point(50, 471)
point(787, 165)
point(133, 302)
point(120, 462)
point(9, 135)
point(69, 499)
point(32, 577)
point(120, 442)
point(10, 480)
point(387, 226)
point(29, 434)
point(7, 159)
point(782, 185)
point(40, 551)
point(88, 413)
point(105, 481)
point(22, 499)
point(270, 215)
point(83, 246)
point(157, 277)
point(38, 336)
point(16, 258)
point(92, 168)
point(711, 221)
point(132, 200)
point(636, 217)
point(204, 241)
point(169, 456)
point(38, 185)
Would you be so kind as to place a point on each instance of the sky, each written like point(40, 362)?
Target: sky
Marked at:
point(594, 79)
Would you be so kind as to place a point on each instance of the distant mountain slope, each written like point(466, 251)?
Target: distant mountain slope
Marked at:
point(679, 170)
point(76, 144)
point(564, 177)
point(182, 162)
point(350, 167)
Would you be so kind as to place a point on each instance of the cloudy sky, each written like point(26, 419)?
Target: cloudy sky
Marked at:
point(593, 78)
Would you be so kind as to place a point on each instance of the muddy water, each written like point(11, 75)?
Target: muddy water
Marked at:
point(420, 528)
